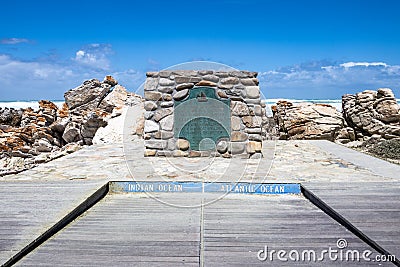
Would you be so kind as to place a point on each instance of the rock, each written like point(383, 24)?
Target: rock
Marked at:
point(163, 135)
point(10, 116)
point(167, 97)
point(230, 80)
point(167, 90)
point(180, 153)
point(166, 82)
point(59, 125)
point(155, 144)
point(50, 132)
point(150, 126)
point(182, 144)
point(238, 137)
point(252, 92)
point(239, 108)
point(110, 80)
point(90, 126)
point(63, 112)
point(72, 147)
point(42, 158)
point(162, 113)
point(186, 79)
point(90, 94)
point(154, 96)
point(167, 123)
point(222, 94)
point(372, 112)
point(253, 147)
point(149, 152)
point(167, 104)
point(43, 145)
point(148, 114)
point(307, 120)
point(150, 105)
point(252, 121)
point(248, 82)
point(255, 137)
point(211, 78)
point(235, 123)
point(184, 86)
point(115, 99)
point(194, 154)
point(206, 83)
point(222, 146)
point(72, 133)
point(237, 147)
point(181, 94)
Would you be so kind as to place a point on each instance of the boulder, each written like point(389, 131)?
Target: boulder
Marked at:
point(10, 116)
point(372, 112)
point(307, 121)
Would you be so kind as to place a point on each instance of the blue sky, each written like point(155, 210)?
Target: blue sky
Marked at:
point(301, 49)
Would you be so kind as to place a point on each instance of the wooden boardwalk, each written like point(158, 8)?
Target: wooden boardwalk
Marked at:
point(137, 230)
point(373, 207)
point(28, 209)
point(134, 229)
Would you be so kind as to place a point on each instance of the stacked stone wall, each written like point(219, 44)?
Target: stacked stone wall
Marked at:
point(247, 112)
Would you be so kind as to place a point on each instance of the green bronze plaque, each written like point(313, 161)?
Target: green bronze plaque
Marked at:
point(202, 119)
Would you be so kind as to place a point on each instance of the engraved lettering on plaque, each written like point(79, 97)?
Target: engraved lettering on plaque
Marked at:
point(202, 118)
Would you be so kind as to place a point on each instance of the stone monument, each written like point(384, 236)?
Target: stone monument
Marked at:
point(203, 113)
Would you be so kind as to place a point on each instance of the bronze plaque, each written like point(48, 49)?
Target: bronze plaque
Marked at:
point(202, 119)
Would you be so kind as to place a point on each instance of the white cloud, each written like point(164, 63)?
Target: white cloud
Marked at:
point(363, 64)
point(11, 41)
point(94, 56)
point(322, 79)
point(33, 80)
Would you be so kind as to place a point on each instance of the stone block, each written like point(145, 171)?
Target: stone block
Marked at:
point(255, 137)
point(165, 89)
point(211, 78)
point(186, 79)
point(155, 144)
point(182, 144)
point(194, 154)
point(150, 126)
point(238, 136)
point(206, 83)
point(148, 114)
point(167, 123)
point(239, 108)
point(248, 82)
point(165, 82)
point(222, 146)
point(184, 86)
point(235, 123)
point(237, 147)
point(252, 92)
point(230, 80)
point(163, 135)
point(151, 95)
point(180, 94)
point(253, 147)
point(151, 84)
point(180, 153)
point(149, 152)
point(167, 97)
point(162, 113)
point(222, 94)
point(164, 153)
point(166, 104)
